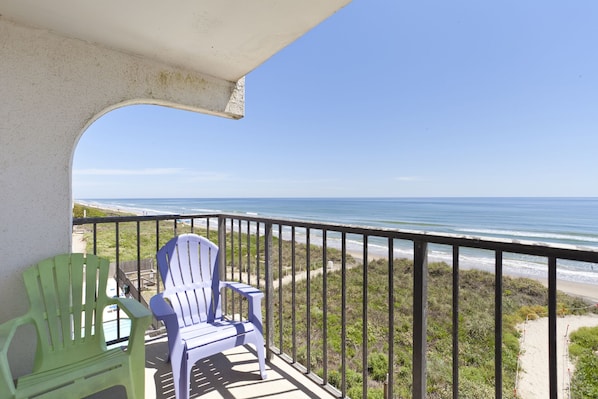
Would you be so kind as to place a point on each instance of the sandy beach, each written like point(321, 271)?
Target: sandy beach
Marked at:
point(587, 291)
point(78, 244)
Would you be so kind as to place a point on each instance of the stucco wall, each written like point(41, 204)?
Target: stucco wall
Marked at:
point(51, 89)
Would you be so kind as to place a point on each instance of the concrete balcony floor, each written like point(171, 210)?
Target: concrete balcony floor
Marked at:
point(233, 374)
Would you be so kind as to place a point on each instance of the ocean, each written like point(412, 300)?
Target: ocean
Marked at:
point(569, 221)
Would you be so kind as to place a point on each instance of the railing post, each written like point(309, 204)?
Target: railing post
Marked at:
point(420, 317)
point(269, 289)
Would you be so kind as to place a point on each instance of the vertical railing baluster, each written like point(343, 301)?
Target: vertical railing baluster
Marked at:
point(420, 317)
point(95, 238)
point(325, 306)
point(293, 293)
point(280, 320)
point(240, 260)
point(138, 261)
point(258, 255)
point(118, 276)
point(248, 252)
point(498, 289)
point(232, 264)
point(391, 321)
point(344, 314)
point(158, 277)
point(240, 254)
point(269, 288)
point(364, 318)
point(455, 322)
point(232, 247)
point(308, 296)
point(117, 246)
point(552, 338)
point(222, 259)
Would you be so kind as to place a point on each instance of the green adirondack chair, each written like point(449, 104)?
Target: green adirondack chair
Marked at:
point(67, 295)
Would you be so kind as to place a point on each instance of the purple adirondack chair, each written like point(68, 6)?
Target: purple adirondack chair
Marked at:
point(190, 308)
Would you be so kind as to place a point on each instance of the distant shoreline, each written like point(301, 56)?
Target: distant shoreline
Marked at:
point(586, 291)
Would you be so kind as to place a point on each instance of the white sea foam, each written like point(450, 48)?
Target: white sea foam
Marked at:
point(513, 264)
point(541, 235)
point(204, 210)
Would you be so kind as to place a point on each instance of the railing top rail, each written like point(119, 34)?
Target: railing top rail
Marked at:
point(141, 218)
point(560, 251)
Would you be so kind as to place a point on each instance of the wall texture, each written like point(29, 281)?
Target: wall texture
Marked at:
point(51, 89)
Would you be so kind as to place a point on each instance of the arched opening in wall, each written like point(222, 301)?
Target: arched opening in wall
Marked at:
point(140, 160)
point(149, 151)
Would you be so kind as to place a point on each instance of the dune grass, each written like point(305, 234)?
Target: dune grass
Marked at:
point(522, 298)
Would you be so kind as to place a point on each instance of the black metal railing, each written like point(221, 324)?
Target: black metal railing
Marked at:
point(297, 262)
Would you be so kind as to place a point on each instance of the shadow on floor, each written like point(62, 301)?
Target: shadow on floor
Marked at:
point(233, 375)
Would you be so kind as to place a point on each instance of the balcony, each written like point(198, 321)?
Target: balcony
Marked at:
point(324, 346)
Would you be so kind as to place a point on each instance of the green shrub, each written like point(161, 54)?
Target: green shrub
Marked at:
point(584, 340)
point(80, 211)
point(378, 366)
point(584, 383)
point(583, 349)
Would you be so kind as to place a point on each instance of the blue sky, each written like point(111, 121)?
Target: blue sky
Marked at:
point(385, 98)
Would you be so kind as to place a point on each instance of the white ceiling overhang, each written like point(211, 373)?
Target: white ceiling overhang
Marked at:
point(226, 39)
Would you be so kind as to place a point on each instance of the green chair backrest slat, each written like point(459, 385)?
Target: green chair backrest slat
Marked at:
point(77, 275)
point(68, 296)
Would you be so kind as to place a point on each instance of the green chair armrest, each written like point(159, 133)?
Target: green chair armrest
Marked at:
point(134, 309)
point(7, 332)
point(140, 318)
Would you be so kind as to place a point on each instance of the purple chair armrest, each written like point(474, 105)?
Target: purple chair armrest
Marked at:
point(247, 291)
point(163, 311)
point(254, 297)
